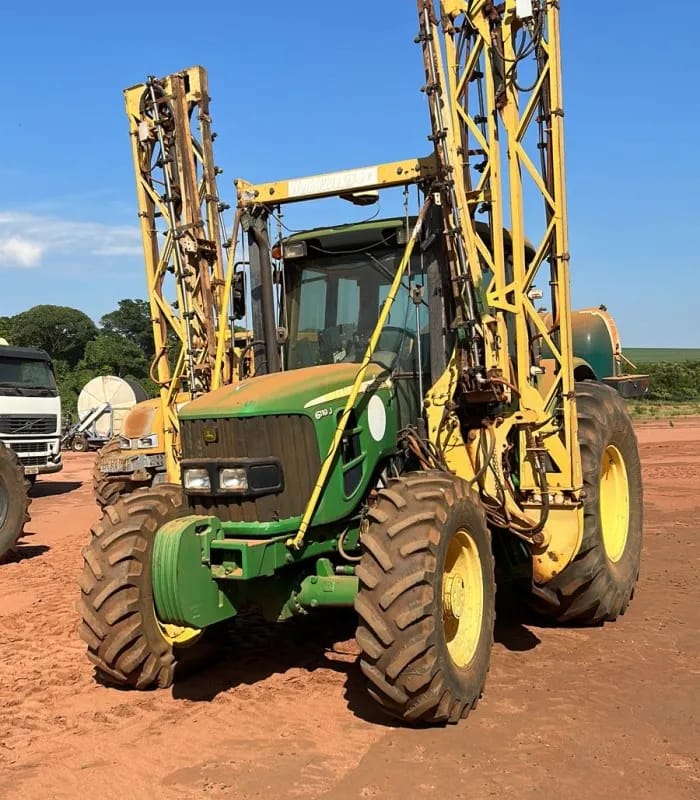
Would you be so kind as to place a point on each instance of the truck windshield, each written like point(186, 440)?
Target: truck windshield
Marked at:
point(26, 374)
point(333, 306)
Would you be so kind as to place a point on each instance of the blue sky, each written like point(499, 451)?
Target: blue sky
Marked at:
point(304, 88)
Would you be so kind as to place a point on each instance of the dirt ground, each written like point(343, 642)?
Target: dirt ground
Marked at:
point(611, 711)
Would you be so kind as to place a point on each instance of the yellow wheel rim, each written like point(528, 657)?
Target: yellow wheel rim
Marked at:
point(614, 503)
point(177, 635)
point(462, 598)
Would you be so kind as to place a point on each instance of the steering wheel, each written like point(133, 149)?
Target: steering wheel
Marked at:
point(334, 341)
point(396, 345)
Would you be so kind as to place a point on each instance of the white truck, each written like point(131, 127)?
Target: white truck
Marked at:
point(30, 409)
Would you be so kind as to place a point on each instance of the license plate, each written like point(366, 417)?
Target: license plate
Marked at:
point(31, 470)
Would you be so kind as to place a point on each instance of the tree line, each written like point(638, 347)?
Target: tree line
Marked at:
point(672, 382)
point(121, 344)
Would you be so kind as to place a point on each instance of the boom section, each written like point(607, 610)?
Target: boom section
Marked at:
point(494, 92)
point(189, 280)
point(344, 183)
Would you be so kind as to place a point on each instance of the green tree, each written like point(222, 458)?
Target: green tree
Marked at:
point(131, 320)
point(676, 382)
point(6, 329)
point(62, 331)
point(112, 354)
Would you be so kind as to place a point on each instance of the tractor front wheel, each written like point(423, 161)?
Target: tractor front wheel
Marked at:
point(126, 641)
point(426, 599)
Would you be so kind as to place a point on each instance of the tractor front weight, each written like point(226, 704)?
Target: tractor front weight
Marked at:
point(202, 574)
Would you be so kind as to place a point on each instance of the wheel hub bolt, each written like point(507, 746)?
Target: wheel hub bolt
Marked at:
point(453, 596)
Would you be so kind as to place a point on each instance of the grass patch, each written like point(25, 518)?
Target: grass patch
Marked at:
point(648, 409)
point(655, 355)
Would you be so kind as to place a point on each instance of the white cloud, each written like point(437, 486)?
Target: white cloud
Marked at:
point(18, 252)
point(26, 239)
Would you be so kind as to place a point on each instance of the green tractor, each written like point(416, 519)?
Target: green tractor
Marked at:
point(392, 532)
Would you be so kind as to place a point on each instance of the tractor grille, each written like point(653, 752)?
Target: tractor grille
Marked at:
point(28, 424)
point(290, 438)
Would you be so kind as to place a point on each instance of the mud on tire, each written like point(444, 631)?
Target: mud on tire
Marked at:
point(107, 489)
point(405, 656)
point(14, 501)
point(124, 638)
point(595, 588)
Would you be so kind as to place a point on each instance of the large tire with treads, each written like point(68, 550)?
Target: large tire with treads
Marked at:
point(126, 642)
point(598, 584)
point(108, 489)
point(14, 501)
point(426, 599)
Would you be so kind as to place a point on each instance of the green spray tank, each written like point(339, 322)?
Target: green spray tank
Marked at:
point(598, 351)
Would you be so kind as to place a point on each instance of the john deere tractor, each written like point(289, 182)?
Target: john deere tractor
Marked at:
point(420, 412)
point(395, 532)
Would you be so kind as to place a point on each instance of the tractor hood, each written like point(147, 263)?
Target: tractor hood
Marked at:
point(294, 392)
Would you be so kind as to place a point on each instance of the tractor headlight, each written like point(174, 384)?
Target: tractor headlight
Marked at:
point(124, 443)
point(233, 479)
point(196, 480)
point(147, 441)
point(295, 250)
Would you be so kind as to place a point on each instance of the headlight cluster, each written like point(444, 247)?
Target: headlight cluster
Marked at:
point(252, 478)
point(231, 479)
point(139, 443)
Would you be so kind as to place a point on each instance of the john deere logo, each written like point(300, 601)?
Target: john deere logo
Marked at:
point(210, 435)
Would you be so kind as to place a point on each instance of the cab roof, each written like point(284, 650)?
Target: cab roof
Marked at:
point(25, 353)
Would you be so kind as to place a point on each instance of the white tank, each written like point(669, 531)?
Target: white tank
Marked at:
point(121, 394)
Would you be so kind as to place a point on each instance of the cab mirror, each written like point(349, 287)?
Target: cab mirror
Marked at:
point(238, 290)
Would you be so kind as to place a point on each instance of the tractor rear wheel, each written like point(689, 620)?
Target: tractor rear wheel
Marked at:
point(599, 583)
point(127, 643)
point(106, 488)
point(14, 501)
point(426, 599)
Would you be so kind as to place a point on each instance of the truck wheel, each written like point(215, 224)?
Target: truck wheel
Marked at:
point(79, 444)
point(599, 583)
point(14, 501)
point(426, 599)
point(106, 488)
point(127, 643)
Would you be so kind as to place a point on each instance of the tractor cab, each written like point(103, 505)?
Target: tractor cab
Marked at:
point(336, 281)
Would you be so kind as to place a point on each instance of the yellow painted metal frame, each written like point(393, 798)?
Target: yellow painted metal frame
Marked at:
point(182, 238)
point(492, 294)
point(470, 45)
point(334, 184)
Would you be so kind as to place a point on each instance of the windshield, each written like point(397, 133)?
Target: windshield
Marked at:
point(334, 304)
point(20, 374)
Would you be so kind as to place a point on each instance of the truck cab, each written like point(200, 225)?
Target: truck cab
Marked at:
point(30, 409)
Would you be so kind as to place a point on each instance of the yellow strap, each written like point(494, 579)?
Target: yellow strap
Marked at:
point(221, 334)
point(298, 540)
